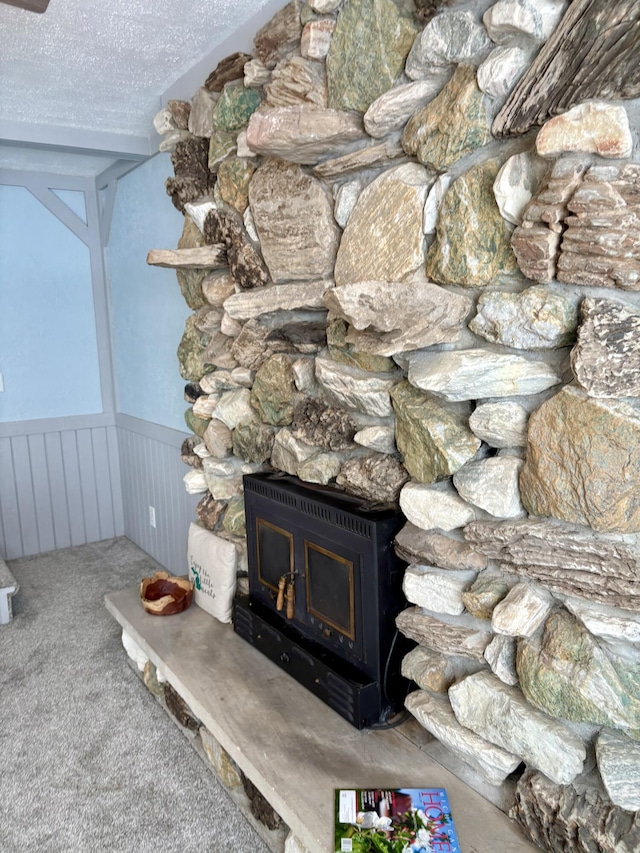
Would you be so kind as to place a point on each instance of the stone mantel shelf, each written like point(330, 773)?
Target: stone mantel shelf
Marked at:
point(292, 746)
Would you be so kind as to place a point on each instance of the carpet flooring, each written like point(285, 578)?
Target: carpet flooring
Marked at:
point(89, 761)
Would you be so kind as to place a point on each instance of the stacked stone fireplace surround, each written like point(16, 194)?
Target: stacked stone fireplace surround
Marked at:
point(412, 250)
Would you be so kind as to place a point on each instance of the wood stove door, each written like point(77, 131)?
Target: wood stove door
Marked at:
point(328, 594)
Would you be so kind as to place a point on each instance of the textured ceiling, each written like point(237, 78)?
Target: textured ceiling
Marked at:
point(103, 67)
point(58, 162)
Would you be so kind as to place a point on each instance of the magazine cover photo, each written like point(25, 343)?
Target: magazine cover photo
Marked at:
point(404, 820)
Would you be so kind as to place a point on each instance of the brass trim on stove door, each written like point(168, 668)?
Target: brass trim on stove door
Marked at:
point(289, 536)
point(350, 634)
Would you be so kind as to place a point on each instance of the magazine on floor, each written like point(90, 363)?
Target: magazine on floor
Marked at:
point(400, 820)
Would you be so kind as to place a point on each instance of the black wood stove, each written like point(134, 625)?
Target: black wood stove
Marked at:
point(325, 587)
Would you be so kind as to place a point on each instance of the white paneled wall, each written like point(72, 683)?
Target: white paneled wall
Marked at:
point(152, 473)
point(63, 484)
point(59, 486)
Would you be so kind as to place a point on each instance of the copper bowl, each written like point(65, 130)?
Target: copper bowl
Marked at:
point(164, 595)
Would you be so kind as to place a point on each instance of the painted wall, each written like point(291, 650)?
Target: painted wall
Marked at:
point(48, 347)
point(59, 488)
point(148, 311)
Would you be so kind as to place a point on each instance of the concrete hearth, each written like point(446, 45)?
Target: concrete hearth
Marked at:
point(293, 747)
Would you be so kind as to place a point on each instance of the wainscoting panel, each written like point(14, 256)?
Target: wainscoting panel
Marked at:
point(59, 485)
point(152, 473)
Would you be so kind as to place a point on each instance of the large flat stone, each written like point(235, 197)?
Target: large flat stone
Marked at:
point(558, 817)
point(440, 590)
point(448, 39)
point(567, 559)
point(453, 635)
point(568, 673)
point(619, 765)
point(279, 36)
point(398, 316)
point(293, 215)
point(393, 108)
point(297, 80)
point(286, 297)
point(522, 611)
point(472, 245)
point(436, 716)
point(437, 507)
point(434, 671)
point(210, 665)
point(502, 424)
point(483, 595)
point(606, 357)
point(369, 46)
point(355, 389)
point(303, 133)
point(383, 240)
point(377, 477)
point(583, 462)
point(433, 440)
point(436, 549)
point(476, 374)
point(501, 715)
point(610, 623)
point(492, 485)
point(288, 452)
point(594, 127)
point(452, 125)
point(538, 318)
point(274, 390)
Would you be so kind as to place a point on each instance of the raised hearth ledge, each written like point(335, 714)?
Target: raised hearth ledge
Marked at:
point(292, 746)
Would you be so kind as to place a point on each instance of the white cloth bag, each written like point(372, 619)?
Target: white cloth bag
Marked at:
point(212, 569)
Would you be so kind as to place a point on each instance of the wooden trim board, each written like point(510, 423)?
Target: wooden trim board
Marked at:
point(291, 745)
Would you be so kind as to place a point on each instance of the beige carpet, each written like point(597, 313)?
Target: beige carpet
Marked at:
point(89, 761)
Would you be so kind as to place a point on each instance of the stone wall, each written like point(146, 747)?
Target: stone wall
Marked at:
point(411, 249)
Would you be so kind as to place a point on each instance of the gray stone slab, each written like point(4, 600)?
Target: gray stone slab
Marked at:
point(290, 744)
